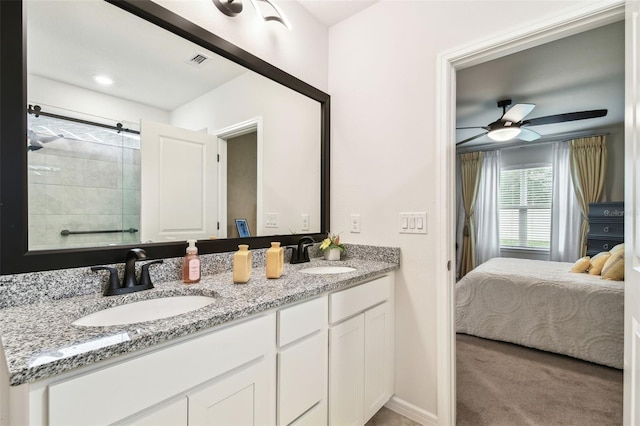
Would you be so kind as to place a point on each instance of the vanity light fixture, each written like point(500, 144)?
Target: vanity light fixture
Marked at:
point(267, 10)
point(229, 7)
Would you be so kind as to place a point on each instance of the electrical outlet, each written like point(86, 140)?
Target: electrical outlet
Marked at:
point(305, 222)
point(271, 220)
point(354, 228)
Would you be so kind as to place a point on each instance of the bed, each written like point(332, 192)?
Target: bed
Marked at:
point(542, 305)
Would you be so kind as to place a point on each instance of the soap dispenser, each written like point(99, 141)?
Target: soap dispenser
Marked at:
point(242, 265)
point(191, 264)
point(275, 261)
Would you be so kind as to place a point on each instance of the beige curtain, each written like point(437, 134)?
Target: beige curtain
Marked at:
point(470, 166)
point(588, 168)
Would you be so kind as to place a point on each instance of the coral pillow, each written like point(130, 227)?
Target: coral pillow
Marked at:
point(598, 261)
point(581, 265)
point(613, 269)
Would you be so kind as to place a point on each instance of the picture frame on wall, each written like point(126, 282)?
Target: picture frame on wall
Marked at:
point(243, 228)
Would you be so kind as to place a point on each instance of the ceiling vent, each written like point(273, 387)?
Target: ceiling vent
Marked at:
point(198, 60)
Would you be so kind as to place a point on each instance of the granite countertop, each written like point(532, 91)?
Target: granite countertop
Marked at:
point(40, 341)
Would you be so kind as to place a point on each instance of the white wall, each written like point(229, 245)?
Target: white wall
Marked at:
point(291, 130)
point(77, 102)
point(382, 80)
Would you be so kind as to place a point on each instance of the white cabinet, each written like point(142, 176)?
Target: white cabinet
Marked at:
point(346, 372)
point(173, 414)
point(133, 390)
point(361, 351)
point(240, 399)
point(302, 363)
point(237, 398)
point(327, 360)
point(378, 358)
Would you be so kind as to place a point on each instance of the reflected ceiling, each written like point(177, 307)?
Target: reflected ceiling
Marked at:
point(152, 55)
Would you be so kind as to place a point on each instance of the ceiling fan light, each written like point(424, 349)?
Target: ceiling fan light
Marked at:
point(504, 133)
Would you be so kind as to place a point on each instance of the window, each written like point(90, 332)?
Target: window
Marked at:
point(525, 207)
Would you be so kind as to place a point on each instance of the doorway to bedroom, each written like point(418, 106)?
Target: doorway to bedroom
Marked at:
point(523, 206)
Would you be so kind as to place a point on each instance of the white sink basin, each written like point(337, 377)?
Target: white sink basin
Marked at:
point(321, 270)
point(145, 310)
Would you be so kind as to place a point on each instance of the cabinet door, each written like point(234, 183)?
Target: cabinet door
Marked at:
point(239, 399)
point(302, 376)
point(378, 358)
point(346, 372)
point(174, 414)
point(316, 416)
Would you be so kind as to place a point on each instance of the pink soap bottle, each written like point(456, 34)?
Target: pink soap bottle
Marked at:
point(191, 264)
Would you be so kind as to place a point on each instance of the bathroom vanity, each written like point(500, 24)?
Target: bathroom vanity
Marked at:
point(306, 349)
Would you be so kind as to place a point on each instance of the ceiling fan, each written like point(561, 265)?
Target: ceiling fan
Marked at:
point(511, 124)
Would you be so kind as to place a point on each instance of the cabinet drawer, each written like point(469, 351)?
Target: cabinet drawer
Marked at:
point(346, 303)
point(606, 228)
point(606, 210)
point(301, 377)
point(602, 244)
point(148, 379)
point(301, 320)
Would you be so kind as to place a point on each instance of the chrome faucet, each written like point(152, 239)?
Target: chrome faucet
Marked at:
point(300, 254)
point(129, 283)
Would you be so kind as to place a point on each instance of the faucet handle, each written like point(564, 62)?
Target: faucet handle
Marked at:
point(145, 278)
point(114, 281)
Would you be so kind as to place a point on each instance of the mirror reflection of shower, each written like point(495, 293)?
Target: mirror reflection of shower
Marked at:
point(84, 180)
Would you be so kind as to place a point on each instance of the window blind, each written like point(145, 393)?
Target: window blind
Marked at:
point(525, 207)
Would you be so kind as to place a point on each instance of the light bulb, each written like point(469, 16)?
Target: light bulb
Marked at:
point(504, 133)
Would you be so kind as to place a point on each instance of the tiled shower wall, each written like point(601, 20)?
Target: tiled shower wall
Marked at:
point(89, 180)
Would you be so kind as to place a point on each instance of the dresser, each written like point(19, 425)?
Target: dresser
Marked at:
point(606, 226)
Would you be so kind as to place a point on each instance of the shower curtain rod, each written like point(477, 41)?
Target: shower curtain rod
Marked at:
point(37, 111)
point(66, 232)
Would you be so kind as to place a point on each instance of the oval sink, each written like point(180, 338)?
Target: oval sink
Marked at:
point(145, 310)
point(321, 270)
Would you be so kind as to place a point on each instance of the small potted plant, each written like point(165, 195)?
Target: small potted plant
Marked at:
point(332, 247)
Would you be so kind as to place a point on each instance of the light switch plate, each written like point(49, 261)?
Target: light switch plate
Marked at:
point(412, 223)
point(305, 222)
point(271, 220)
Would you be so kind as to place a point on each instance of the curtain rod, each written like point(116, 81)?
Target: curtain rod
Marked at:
point(559, 138)
point(37, 111)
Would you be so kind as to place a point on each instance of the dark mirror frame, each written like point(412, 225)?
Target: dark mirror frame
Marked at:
point(15, 256)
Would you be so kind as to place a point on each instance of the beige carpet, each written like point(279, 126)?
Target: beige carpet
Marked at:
point(504, 384)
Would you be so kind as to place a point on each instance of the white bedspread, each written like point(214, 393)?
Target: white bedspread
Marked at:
point(543, 305)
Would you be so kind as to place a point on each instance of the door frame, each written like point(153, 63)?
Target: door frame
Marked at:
point(223, 135)
point(589, 16)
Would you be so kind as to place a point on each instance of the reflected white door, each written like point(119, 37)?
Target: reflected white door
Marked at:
point(632, 218)
point(178, 184)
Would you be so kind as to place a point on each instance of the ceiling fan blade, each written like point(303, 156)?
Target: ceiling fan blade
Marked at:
point(517, 112)
point(474, 127)
point(528, 135)
point(471, 138)
point(561, 118)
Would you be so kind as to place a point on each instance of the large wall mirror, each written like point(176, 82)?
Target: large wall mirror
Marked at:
point(134, 127)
